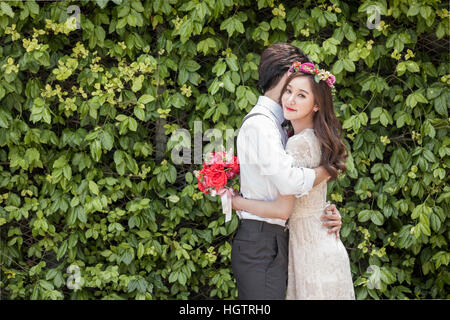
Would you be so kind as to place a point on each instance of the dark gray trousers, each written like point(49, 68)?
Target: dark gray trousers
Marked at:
point(259, 258)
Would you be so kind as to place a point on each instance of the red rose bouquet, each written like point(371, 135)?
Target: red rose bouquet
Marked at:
point(217, 178)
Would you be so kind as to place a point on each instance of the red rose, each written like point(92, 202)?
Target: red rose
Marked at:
point(216, 176)
point(216, 171)
point(216, 167)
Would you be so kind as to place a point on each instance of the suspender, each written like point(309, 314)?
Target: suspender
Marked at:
point(253, 114)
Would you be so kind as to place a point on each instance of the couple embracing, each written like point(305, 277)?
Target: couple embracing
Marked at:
point(286, 246)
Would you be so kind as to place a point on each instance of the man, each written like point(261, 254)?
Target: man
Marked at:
point(259, 254)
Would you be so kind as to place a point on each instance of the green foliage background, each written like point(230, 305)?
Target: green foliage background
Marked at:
point(86, 116)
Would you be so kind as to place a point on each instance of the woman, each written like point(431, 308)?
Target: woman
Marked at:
point(319, 266)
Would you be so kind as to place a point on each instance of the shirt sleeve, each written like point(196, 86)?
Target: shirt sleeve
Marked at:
point(259, 144)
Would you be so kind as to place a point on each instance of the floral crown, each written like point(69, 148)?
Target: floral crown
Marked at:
point(319, 74)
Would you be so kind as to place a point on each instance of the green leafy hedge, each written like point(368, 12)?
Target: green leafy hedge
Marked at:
point(86, 116)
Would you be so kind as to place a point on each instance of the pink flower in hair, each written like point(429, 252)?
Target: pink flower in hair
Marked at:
point(331, 79)
point(310, 68)
point(307, 67)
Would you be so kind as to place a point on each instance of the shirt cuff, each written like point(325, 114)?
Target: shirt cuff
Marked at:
point(309, 176)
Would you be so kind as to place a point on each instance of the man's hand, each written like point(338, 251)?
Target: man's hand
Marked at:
point(332, 221)
point(235, 202)
point(321, 175)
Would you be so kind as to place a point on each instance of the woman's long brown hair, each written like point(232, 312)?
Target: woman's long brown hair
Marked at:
point(327, 127)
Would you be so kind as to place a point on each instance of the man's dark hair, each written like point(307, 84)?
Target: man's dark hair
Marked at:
point(275, 61)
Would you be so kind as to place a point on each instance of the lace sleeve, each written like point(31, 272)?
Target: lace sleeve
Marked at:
point(299, 147)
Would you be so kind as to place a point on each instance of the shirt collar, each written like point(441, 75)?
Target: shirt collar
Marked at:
point(273, 107)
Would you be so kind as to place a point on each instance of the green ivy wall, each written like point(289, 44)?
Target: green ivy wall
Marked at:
point(86, 116)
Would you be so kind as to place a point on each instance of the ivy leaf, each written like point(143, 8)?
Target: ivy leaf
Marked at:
point(6, 9)
point(331, 17)
point(173, 198)
point(401, 68)
point(338, 67)
point(412, 66)
point(132, 124)
point(205, 46)
point(146, 98)
point(251, 97)
point(102, 3)
point(72, 217)
point(349, 33)
point(5, 117)
point(215, 86)
point(96, 150)
point(139, 113)
point(62, 250)
point(232, 63)
point(377, 218)
point(100, 33)
point(231, 25)
point(349, 65)
point(137, 84)
point(93, 187)
point(413, 10)
point(376, 113)
point(123, 11)
point(220, 67)
point(440, 104)
point(228, 84)
point(107, 140)
point(435, 222)
point(364, 215)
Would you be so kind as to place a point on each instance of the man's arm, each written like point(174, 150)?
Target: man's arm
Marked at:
point(259, 143)
point(281, 208)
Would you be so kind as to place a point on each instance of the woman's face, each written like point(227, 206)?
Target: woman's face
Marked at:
point(298, 99)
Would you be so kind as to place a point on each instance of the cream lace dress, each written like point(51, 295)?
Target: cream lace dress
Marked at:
point(319, 267)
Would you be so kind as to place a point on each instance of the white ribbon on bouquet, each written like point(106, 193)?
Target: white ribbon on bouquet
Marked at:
point(226, 195)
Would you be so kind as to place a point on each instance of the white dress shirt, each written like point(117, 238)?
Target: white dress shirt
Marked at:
point(265, 167)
